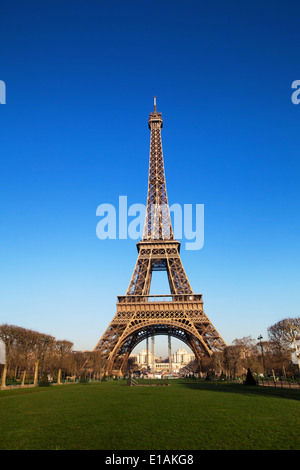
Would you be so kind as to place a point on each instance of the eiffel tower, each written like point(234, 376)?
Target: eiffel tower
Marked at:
point(139, 315)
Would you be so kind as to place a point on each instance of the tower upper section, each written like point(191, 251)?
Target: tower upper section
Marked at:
point(158, 221)
point(155, 120)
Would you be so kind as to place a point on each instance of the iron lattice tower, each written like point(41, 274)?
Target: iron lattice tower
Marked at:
point(140, 315)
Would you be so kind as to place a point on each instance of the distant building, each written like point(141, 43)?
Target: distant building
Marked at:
point(181, 356)
point(178, 360)
point(143, 358)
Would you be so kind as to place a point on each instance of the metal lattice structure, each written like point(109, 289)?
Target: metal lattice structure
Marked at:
point(140, 315)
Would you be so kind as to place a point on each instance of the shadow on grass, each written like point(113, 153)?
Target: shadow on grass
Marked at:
point(276, 392)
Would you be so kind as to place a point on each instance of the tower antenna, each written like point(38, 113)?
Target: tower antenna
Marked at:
point(154, 97)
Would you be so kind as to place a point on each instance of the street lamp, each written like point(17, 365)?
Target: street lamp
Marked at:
point(262, 353)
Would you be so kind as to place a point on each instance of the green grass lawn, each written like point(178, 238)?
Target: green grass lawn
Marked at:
point(112, 416)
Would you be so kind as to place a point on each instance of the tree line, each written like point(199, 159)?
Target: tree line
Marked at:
point(272, 357)
point(29, 354)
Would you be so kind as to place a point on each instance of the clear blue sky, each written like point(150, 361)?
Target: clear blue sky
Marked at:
point(80, 77)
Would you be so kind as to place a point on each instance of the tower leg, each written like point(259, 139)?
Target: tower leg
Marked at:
point(147, 349)
point(170, 353)
point(153, 356)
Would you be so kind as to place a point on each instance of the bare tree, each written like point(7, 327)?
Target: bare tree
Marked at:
point(247, 349)
point(10, 336)
point(63, 349)
point(285, 335)
point(232, 358)
point(40, 344)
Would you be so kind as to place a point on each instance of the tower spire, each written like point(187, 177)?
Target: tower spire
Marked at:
point(158, 221)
